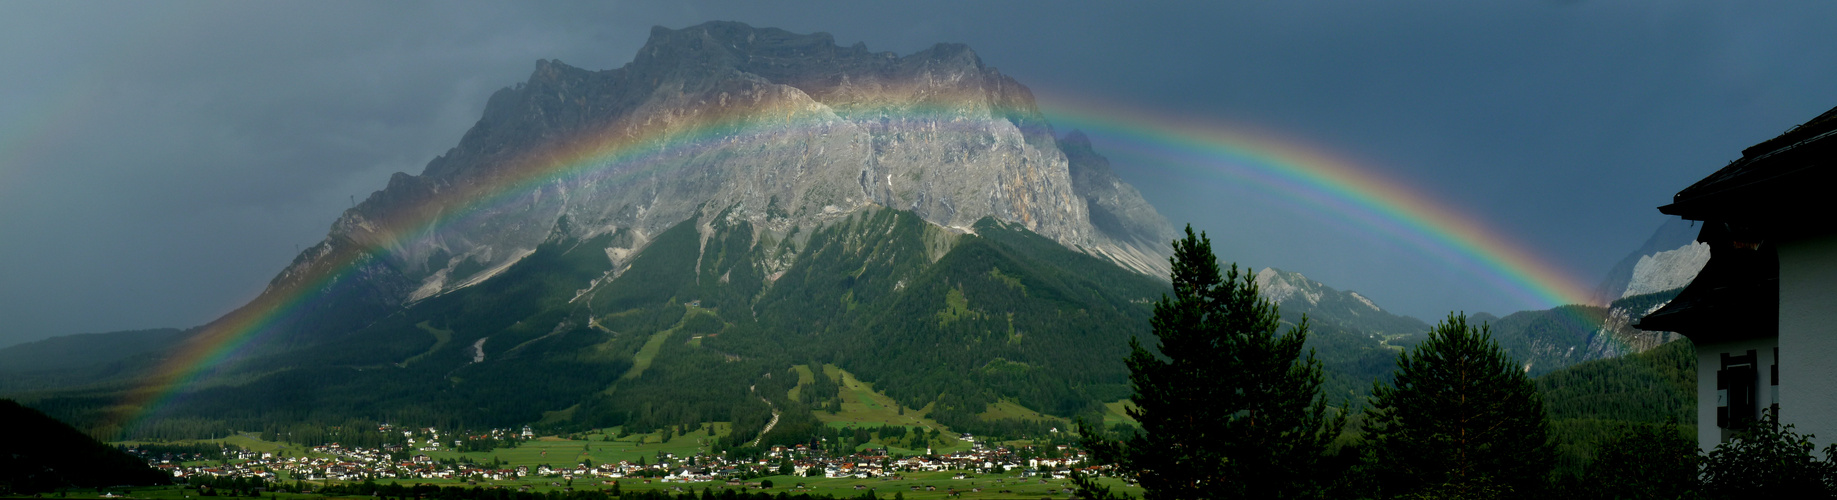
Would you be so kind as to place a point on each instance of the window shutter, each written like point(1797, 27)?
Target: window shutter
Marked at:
point(1722, 397)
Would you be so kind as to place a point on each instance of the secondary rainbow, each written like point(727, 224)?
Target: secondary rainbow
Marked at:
point(1304, 174)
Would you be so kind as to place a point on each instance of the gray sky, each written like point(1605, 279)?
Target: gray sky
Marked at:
point(159, 162)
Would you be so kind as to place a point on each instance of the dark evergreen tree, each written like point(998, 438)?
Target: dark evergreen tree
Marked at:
point(1657, 462)
point(1460, 420)
point(1229, 408)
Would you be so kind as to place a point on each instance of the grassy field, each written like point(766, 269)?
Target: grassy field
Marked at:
point(247, 440)
point(863, 406)
point(599, 447)
point(441, 337)
point(1118, 414)
point(642, 360)
point(1011, 410)
point(804, 377)
point(915, 486)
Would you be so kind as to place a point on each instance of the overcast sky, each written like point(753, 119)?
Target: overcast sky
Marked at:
point(159, 162)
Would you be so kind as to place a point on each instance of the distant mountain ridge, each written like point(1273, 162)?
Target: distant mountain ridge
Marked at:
point(83, 350)
point(1296, 295)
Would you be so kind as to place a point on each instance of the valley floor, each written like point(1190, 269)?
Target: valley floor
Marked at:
point(918, 486)
point(596, 461)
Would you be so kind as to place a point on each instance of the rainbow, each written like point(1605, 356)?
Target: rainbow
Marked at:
point(1316, 177)
point(623, 151)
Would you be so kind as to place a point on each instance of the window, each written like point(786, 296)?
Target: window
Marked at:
point(1736, 385)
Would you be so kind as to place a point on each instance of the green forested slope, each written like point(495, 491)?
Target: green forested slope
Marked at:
point(704, 324)
point(1590, 402)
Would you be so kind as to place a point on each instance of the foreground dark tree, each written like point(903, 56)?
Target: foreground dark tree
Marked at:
point(1769, 460)
point(1228, 407)
point(1656, 462)
point(1461, 420)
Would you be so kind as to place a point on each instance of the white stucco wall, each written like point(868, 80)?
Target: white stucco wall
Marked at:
point(1709, 359)
point(1808, 336)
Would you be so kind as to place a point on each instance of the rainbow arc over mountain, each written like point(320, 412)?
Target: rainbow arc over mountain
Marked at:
point(1292, 169)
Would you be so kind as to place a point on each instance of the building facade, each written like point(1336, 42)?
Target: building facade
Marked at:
point(1763, 312)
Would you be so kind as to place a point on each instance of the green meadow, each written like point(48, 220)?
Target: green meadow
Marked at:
point(1118, 414)
point(441, 338)
point(915, 486)
point(247, 440)
point(599, 447)
point(862, 406)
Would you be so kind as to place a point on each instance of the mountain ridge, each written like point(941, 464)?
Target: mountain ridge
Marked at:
point(936, 132)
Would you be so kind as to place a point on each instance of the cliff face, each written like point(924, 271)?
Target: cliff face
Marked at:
point(785, 131)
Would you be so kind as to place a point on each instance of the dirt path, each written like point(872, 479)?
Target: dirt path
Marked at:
point(768, 425)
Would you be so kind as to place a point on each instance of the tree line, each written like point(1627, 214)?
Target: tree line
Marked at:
point(1231, 408)
point(429, 491)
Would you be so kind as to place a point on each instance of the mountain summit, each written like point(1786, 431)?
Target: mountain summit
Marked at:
point(780, 129)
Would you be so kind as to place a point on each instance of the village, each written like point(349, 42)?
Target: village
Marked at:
point(981, 466)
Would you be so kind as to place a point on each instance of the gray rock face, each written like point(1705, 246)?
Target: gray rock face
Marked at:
point(1674, 234)
point(1116, 209)
point(784, 130)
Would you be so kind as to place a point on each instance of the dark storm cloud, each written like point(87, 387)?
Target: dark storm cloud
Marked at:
point(160, 161)
point(176, 154)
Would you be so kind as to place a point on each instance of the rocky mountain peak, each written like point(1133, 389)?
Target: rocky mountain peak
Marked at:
point(1283, 286)
point(782, 130)
point(1296, 295)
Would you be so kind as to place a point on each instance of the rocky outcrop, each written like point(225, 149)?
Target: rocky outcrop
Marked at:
point(1667, 270)
point(1117, 211)
point(1675, 233)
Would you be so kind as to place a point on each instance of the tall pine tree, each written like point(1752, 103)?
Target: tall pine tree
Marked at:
point(1228, 407)
point(1460, 420)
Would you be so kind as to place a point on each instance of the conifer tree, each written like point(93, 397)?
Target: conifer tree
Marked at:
point(1643, 461)
point(1461, 419)
point(1228, 407)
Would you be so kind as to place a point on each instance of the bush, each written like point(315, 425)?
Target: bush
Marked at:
point(1768, 459)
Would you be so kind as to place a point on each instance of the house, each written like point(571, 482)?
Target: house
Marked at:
point(1763, 312)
